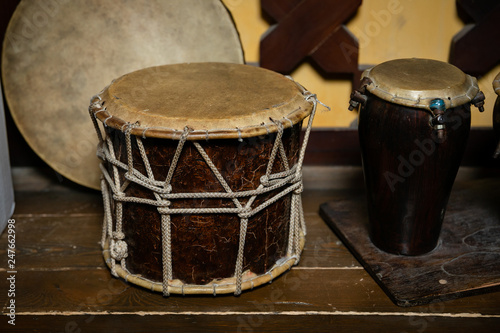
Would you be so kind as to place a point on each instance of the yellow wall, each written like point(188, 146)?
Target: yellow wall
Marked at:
point(386, 29)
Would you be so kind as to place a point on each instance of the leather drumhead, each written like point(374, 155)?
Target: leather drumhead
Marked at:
point(214, 100)
point(416, 82)
point(58, 53)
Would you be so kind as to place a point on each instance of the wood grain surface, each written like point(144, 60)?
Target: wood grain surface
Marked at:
point(465, 262)
point(409, 173)
point(63, 285)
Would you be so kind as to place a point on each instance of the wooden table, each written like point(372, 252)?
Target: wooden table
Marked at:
point(63, 285)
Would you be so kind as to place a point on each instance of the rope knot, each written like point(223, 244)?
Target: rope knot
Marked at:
point(100, 153)
point(95, 106)
point(309, 95)
point(299, 189)
point(164, 203)
point(185, 133)
point(245, 213)
point(119, 250)
point(168, 190)
point(95, 103)
point(129, 127)
point(278, 124)
point(163, 210)
point(296, 179)
point(118, 235)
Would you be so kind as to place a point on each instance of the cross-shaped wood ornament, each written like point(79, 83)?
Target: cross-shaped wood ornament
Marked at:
point(310, 28)
point(475, 49)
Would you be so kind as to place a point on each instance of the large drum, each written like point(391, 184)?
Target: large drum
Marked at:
point(202, 176)
point(414, 121)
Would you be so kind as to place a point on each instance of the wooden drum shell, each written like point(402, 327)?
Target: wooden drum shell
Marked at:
point(205, 247)
point(409, 172)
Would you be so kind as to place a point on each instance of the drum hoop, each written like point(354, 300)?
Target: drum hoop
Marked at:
point(419, 100)
point(287, 121)
point(213, 288)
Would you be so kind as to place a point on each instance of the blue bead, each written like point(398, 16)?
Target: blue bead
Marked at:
point(437, 103)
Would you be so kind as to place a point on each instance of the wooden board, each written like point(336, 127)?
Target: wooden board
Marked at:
point(63, 285)
point(465, 262)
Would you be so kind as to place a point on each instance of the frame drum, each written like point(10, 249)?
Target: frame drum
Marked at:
point(57, 53)
point(202, 176)
point(414, 122)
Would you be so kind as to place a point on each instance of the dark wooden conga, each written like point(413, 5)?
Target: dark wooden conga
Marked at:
point(414, 121)
point(202, 176)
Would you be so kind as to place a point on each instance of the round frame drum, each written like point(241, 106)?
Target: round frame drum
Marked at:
point(57, 53)
point(202, 176)
point(414, 122)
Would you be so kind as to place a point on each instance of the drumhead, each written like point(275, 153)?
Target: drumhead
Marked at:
point(57, 54)
point(496, 84)
point(215, 100)
point(416, 82)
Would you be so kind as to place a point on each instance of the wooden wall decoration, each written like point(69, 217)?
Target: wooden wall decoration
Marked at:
point(310, 28)
point(475, 49)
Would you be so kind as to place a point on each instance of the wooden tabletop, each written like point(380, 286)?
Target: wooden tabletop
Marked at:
point(63, 285)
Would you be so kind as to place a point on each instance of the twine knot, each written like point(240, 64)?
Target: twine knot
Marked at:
point(119, 250)
point(128, 127)
point(246, 213)
point(119, 195)
point(309, 95)
point(118, 235)
point(164, 203)
point(167, 191)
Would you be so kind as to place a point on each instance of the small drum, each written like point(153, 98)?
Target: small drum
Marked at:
point(202, 176)
point(496, 113)
point(414, 122)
